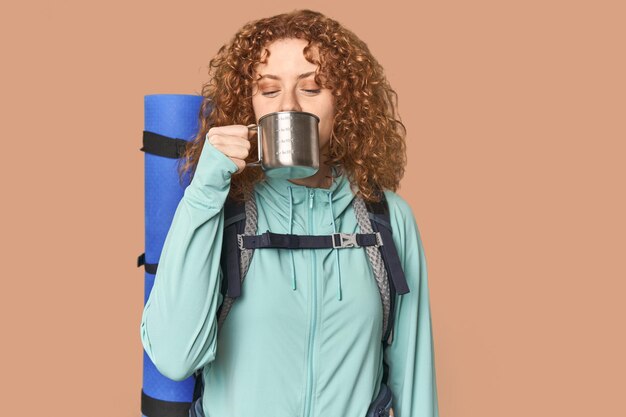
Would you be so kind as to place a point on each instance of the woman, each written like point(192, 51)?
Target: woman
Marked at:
point(304, 338)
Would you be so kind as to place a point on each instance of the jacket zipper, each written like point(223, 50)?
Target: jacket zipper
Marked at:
point(308, 399)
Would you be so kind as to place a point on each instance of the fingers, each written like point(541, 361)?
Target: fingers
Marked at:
point(233, 130)
point(241, 164)
point(231, 147)
point(232, 141)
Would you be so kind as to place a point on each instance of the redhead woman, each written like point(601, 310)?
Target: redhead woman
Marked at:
point(313, 331)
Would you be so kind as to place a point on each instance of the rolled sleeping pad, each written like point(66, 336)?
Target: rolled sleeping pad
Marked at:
point(171, 120)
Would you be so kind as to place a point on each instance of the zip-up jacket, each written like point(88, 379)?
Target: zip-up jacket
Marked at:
point(304, 338)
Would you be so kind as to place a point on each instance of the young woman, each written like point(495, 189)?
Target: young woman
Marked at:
point(304, 338)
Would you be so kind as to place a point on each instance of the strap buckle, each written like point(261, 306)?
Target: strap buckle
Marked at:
point(344, 240)
point(379, 240)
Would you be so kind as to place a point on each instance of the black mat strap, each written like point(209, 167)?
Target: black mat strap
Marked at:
point(150, 268)
point(152, 407)
point(156, 144)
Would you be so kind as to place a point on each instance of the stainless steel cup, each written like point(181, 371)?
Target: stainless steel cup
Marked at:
point(288, 144)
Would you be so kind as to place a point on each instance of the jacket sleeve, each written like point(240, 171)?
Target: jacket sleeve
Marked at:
point(411, 354)
point(178, 324)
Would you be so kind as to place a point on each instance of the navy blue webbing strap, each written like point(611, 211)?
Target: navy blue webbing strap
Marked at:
point(156, 144)
point(391, 258)
point(234, 213)
point(289, 241)
point(231, 250)
point(381, 223)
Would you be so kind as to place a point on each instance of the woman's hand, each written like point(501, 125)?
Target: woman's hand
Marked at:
point(233, 141)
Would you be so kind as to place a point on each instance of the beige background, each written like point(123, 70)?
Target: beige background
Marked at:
point(516, 121)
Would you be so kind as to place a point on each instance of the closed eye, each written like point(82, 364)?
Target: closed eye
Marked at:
point(274, 93)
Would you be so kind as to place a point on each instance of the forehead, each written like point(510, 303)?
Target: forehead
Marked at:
point(287, 55)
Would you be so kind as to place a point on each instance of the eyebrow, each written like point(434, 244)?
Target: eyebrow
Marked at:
point(276, 77)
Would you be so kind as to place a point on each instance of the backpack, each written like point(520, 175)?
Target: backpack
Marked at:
point(240, 241)
point(240, 229)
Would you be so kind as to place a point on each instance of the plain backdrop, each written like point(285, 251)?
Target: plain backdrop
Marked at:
point(515, 112)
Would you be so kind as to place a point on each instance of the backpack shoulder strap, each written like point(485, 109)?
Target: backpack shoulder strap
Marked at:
point(391, 280)
point(239, 218)
point(234, 223)
point(381, 222)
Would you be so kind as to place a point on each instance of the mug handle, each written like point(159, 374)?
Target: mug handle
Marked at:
point(259, 146)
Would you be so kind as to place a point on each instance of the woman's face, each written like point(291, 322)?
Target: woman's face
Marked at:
point(287, 84)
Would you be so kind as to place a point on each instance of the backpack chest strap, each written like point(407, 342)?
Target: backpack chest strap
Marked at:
point(290, 241)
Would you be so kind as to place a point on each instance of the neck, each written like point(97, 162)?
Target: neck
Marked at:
point(321, 179)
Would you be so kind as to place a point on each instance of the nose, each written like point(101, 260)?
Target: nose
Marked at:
point(290, 102)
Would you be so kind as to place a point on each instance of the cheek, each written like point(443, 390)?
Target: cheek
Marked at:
point(260, 106)
point(256, 107)
point(326, 122)
point(326, 126)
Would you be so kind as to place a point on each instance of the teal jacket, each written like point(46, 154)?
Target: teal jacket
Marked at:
point(304, 338)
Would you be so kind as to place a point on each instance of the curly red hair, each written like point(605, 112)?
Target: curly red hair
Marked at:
point(368, 139)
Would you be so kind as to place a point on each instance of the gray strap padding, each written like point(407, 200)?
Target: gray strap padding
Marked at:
point(375, 258)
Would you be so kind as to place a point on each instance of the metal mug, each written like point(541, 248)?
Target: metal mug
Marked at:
point(288, 144)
